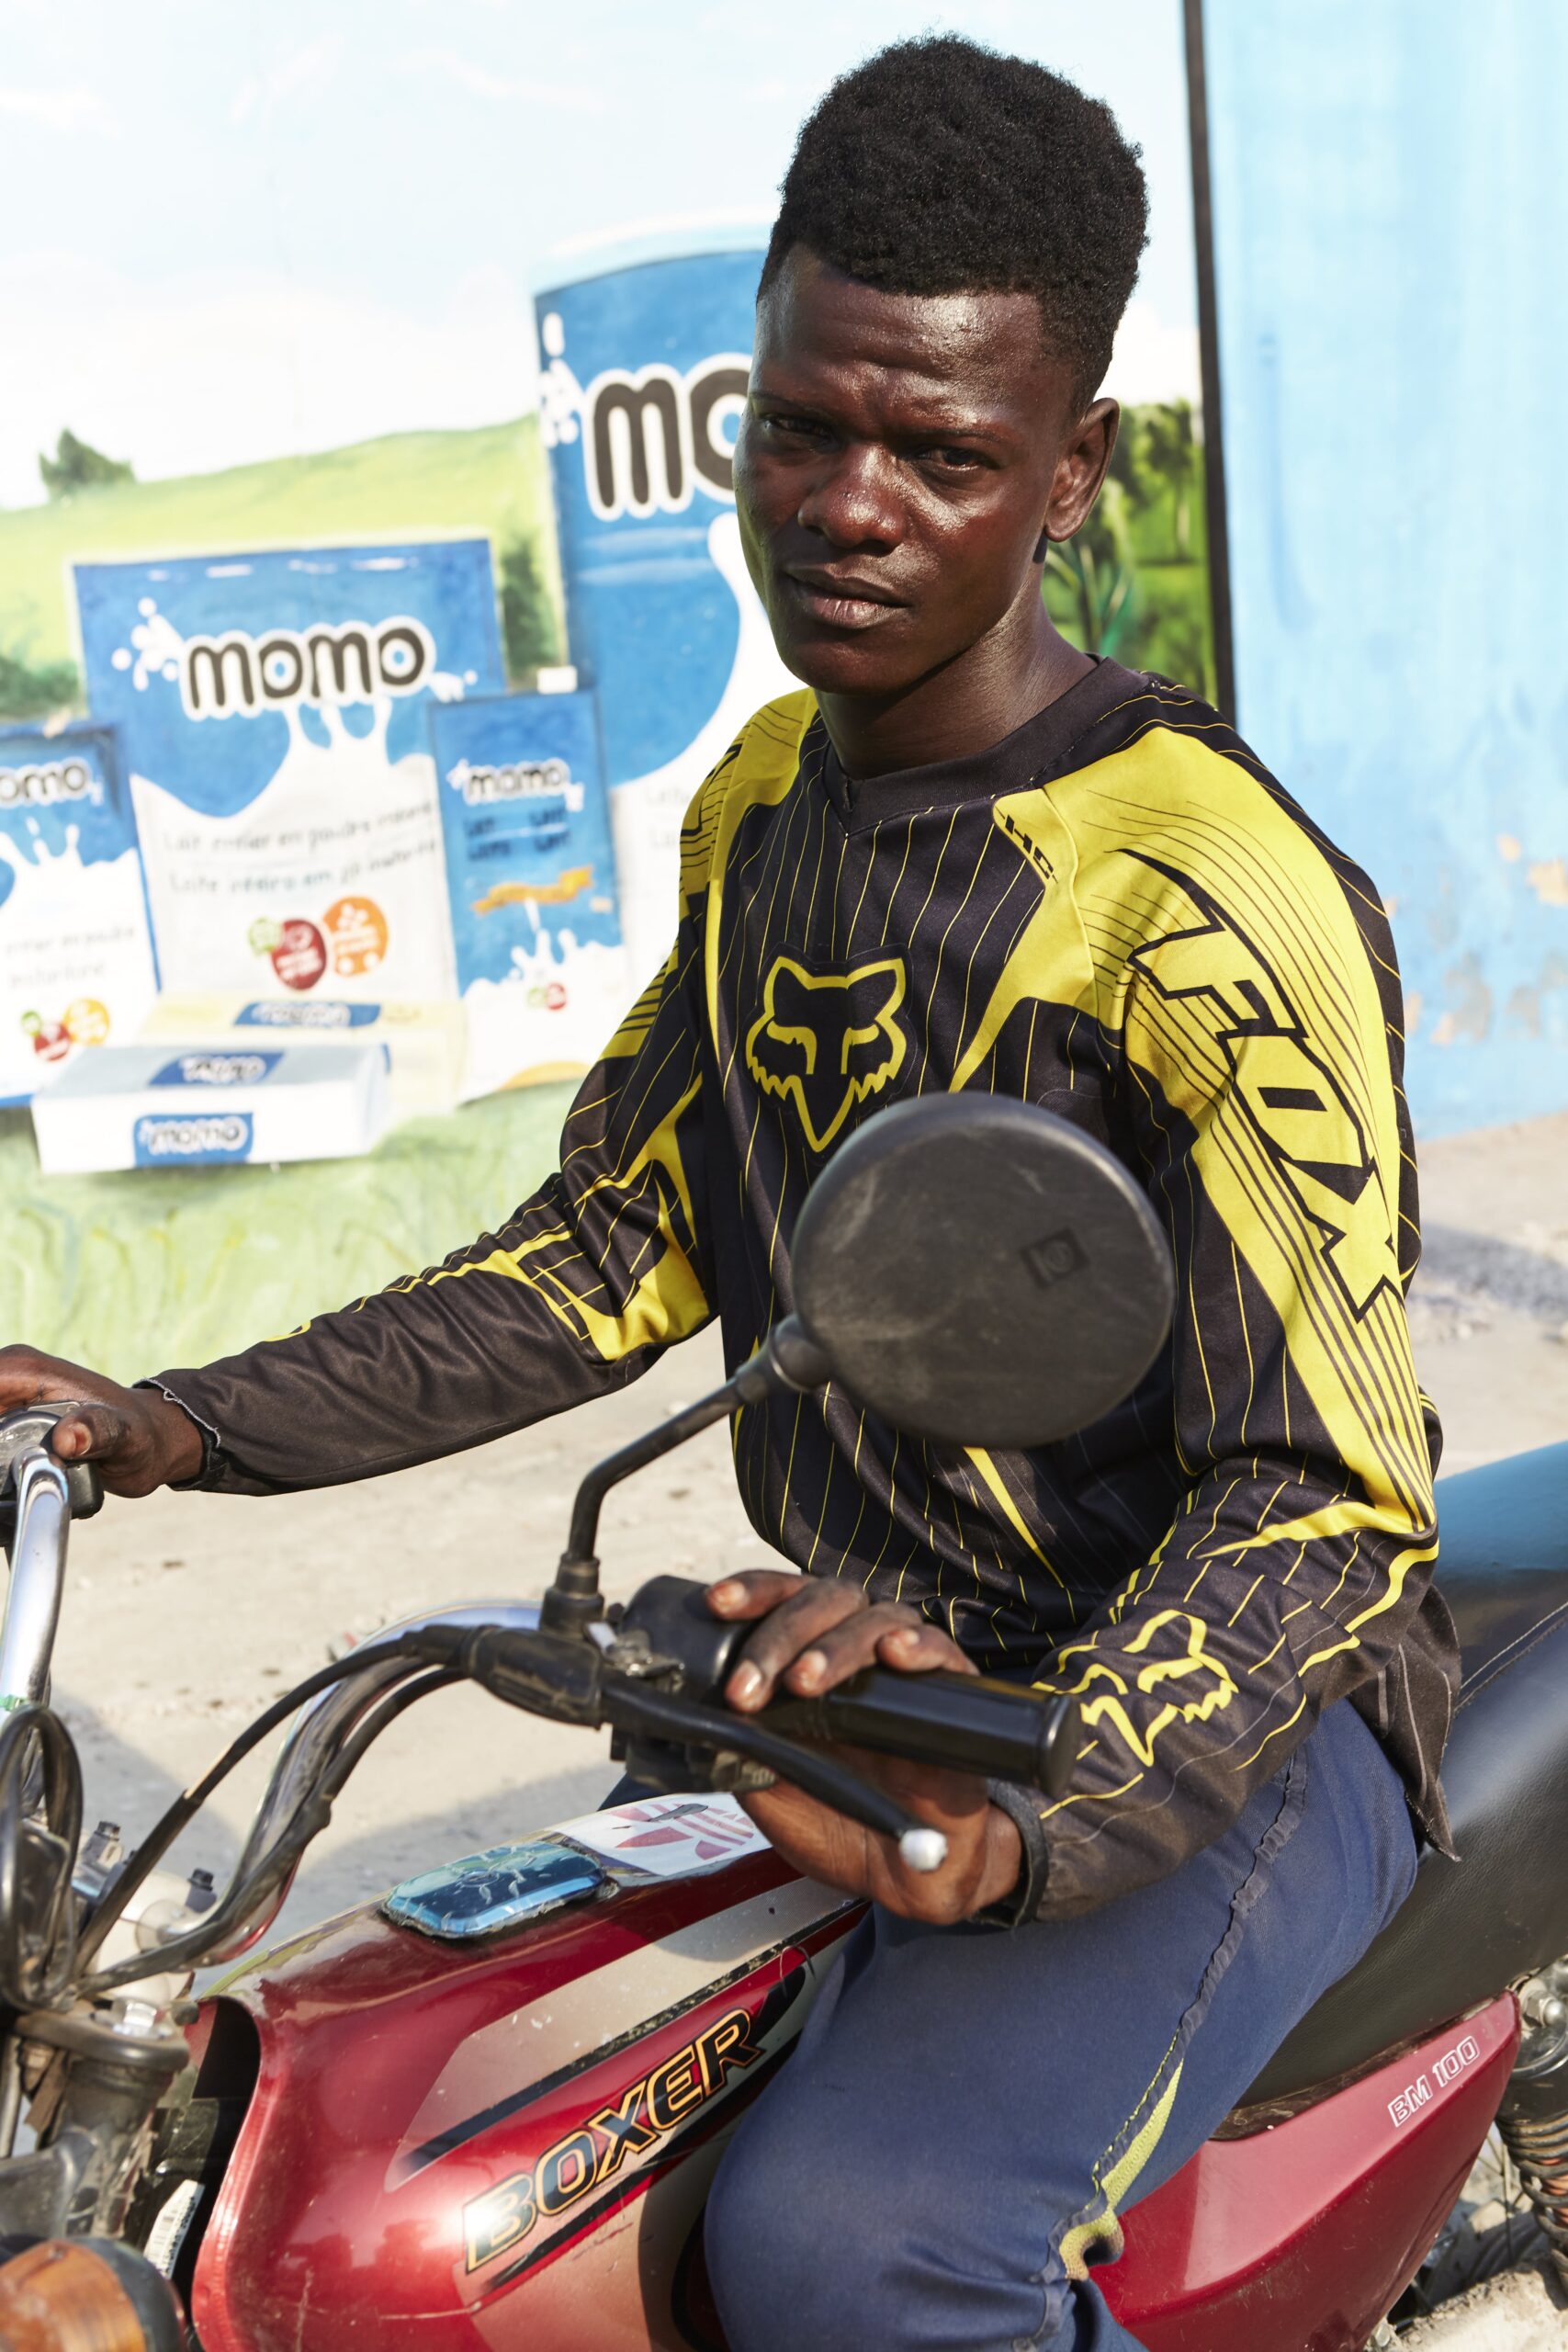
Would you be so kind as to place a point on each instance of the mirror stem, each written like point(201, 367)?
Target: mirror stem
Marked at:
point(787, 1359)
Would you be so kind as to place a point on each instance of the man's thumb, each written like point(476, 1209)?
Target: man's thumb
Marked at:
point(88, 1429)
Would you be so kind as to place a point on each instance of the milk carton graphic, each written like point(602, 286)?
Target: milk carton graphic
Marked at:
point(272, 712)
point(643, 380)
point(75, 951)
point(529, 866)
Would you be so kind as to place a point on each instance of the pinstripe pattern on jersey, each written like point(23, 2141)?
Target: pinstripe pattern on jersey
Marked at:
point(1118, 915)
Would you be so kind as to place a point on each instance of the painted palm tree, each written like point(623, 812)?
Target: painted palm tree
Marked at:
point(1169, 450)
point(1097, 567)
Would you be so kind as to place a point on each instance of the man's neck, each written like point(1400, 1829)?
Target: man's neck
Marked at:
point(1007, 678)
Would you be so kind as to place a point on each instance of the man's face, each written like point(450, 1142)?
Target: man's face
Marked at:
point(899, 457)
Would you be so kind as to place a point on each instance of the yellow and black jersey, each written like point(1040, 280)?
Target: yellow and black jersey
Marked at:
point(1116, 913)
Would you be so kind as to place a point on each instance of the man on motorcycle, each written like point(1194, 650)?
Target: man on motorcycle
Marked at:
point(970, 855)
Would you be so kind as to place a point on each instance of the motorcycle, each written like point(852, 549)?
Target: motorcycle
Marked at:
point(485, 2109)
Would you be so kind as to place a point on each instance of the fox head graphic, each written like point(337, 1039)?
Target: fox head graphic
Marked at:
point(825, 1040)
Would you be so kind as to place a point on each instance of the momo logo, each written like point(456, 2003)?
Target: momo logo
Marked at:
point(216, 1070)
point(320, 1013)
point(590, 2155)
point(522, 780)
point(1284, 1088)
point(334, 663)
point(824, 1041)
point(48, 784)
point(652, 439)
point(194, 1141)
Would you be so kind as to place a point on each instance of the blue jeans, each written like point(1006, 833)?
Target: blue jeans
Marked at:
point(943, 2157)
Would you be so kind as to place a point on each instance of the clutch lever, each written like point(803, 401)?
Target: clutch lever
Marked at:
point(29, 1431)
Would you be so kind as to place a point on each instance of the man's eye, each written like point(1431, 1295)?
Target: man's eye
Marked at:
point(948, 460)
point(781, 421)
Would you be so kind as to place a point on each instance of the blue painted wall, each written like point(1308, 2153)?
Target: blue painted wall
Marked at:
point(1391, 204)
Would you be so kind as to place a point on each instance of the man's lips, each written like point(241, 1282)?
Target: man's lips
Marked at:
point(839, 601)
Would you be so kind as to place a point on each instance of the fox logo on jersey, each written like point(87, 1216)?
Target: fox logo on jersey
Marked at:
point(826, 1040)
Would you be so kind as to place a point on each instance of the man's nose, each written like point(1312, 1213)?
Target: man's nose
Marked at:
point(853, 501)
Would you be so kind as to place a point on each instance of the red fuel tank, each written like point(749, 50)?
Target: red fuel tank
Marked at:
point(504, 2139)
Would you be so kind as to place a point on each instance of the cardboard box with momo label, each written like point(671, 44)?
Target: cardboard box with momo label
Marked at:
point(76, 964)
point(170, 1106)
point(424, 1042)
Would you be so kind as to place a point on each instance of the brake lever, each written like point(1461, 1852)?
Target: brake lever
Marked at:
point(573, 1682)
point(639, 1707)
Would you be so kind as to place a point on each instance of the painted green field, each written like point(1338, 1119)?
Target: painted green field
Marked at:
point(137, 1273)
point(490, 480)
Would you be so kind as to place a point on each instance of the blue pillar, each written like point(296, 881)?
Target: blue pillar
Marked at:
point(1391, 210)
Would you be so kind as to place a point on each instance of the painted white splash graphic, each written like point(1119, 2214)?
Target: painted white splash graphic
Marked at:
point(646, 810)
point(75, 961)
point(339, 824)
point(566, 997)
point(154, 650)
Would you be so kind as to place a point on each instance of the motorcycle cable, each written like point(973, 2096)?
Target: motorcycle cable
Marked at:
point(137, 1867)
point(242, 1895)
point(37, 1960)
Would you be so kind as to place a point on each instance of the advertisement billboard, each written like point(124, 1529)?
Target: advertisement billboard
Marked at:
point(75, 956)
point(643, 377)
point(272, 714)
point(531, 876)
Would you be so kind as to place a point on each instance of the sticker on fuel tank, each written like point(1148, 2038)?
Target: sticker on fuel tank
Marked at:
point(590, 2155)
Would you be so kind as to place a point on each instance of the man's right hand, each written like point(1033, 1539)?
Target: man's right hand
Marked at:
point(137, 1439)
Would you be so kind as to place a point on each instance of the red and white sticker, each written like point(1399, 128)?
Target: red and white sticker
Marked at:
point(670, 1836)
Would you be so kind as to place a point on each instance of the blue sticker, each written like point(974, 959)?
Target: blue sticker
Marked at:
point(200, 1139)
point(216, 1069)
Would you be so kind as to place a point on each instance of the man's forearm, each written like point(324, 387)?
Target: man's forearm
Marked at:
point(399, 1378)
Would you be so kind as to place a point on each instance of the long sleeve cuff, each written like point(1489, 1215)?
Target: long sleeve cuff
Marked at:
point(214, 1462)
point(1022, 1806)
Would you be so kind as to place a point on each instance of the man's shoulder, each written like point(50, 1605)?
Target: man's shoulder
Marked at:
point(1166, 787)
point(759, 765)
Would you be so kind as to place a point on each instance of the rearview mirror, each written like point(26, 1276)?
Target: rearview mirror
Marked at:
point(968, 1267)
point(974, 1270)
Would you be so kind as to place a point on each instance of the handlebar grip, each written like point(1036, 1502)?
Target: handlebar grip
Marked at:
point(30, 1426)
point(958, 1720)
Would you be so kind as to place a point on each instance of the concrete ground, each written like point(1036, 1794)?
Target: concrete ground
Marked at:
point(187, 1614)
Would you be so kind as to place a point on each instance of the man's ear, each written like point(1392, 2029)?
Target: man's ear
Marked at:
point(1080, 471)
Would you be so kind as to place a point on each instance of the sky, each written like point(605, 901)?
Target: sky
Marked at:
point(267, 227)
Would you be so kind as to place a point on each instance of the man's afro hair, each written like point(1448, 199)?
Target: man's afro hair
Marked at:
point(941, 168)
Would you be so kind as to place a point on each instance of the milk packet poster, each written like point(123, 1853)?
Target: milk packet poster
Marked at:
point(75, 951)
point(272, 715)
point(642, 383)
point(540, 963)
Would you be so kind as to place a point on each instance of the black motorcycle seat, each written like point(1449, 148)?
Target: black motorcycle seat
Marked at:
point(1469, 1927)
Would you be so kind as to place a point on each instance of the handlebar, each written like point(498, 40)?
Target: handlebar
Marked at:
point(955, 1720)
point(655, 1676)
point(40, 1495)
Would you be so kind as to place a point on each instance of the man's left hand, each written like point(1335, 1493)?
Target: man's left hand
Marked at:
point(811, 1635)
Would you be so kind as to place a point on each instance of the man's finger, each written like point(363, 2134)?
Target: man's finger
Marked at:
point(751, 1592)
point(91, 1432)
point(887, 1634)
point(812, 1607)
